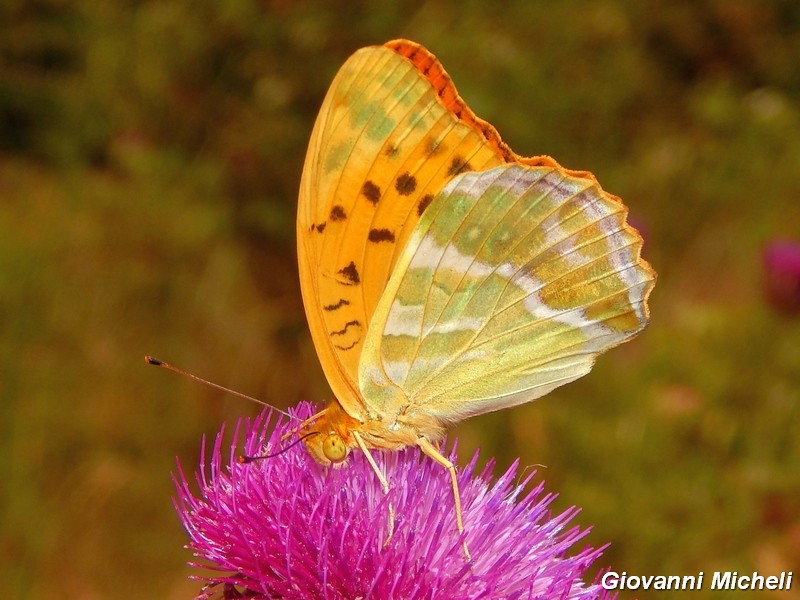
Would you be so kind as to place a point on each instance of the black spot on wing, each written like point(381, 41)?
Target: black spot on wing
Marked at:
point(351, 274)
point(433, 147)
point(423, 203)
point(347, 326)
point(371, 192)
point(319, 227)
point(380, 235)
point(342, 302)
point(405, 184)
point(458, 165)
point(348, 347)
point(337, 213)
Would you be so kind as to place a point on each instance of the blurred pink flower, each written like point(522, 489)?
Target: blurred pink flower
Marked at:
point(285, 527)
point(781, 261)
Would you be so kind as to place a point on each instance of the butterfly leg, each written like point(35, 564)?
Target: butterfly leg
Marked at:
point(382, 479)
point(434, 453)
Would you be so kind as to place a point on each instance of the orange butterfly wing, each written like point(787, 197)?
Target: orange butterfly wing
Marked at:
point(392, 131)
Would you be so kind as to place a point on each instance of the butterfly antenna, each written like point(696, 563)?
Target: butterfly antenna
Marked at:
point(152, 360)
point(303, 424)
point(248, 459)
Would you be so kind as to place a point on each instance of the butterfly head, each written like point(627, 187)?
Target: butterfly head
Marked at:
point(333, 440)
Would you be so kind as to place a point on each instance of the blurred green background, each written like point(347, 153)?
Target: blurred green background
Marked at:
point(150, 155)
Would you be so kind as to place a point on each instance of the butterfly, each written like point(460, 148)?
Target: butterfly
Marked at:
point(443, 275)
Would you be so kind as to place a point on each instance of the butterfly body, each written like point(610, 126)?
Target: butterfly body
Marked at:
point(443, 275)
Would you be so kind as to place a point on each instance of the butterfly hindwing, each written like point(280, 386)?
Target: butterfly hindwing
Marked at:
point(515, 279)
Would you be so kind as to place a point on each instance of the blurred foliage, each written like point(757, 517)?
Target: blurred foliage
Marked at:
point(150, 154)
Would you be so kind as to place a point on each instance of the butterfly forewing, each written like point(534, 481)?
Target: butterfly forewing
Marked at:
point(384, 145)
point(511, 284)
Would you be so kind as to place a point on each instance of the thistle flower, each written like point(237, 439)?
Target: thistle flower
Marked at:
point(782, 275)
point(286, 527)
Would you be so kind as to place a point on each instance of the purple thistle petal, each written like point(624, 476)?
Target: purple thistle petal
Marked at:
point(285, 527)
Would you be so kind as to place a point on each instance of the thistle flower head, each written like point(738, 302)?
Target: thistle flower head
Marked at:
point(288, 528)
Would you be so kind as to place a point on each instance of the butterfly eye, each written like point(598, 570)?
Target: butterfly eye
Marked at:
point(334, 448)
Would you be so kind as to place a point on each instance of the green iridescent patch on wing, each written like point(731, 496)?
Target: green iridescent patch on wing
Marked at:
point(511, 284)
